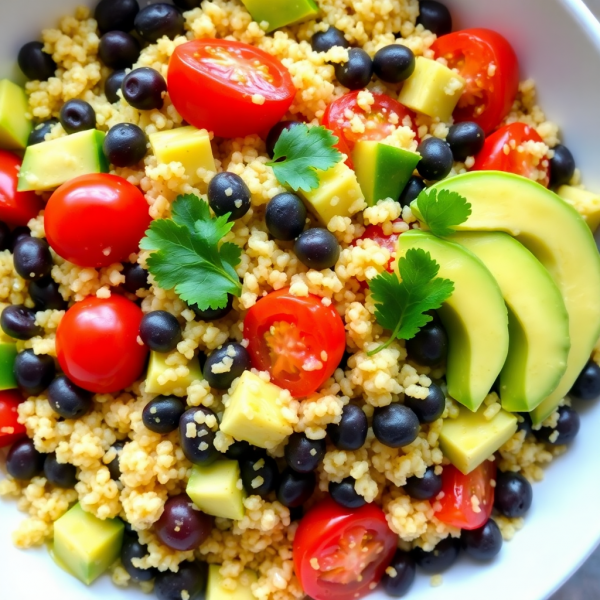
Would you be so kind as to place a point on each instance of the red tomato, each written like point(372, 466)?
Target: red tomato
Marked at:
point(10, 429)
point(379, 123)
point(299, 340)
point(212, 83)
point(96, 344)
point(96, 220)
point(340, 552)
point(16, 208)
point(490, 67)
point(375, 233)
point(458, 506)
point(494, 156)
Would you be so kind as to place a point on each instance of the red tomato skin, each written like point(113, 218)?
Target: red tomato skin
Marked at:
point(96, 344)
point(216, 103)
point(9, 402)
point(321, 325)
point(493, 158)
point(456, 507)
point(96, 220)
point(16, 208)
point(480, 47)
point(320, 528)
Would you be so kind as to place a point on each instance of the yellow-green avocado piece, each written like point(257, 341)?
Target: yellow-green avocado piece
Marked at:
point(8, 353)
point(279, 13)
point(85, 545)
point(538, 323)
point(216, 489)
point(15, 126)
point(470, 439)
point(475, 318)
point(157, 383)
point(559, 238)
point(216, 591)
point(382, 170)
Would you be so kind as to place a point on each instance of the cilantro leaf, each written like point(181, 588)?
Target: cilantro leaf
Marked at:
point(187, 256)
point(441, 210)
point(402, 306)
point(304, 149)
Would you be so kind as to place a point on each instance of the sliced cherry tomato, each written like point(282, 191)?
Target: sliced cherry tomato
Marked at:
point(490, 67)
point(468, 500)
point(16, 208)
point(504, 151)
point(10, 428)
point(339, 553)
point(96, 344)
point(298, 339)
point(230, 88)
point(96, 220)
point(385, 116)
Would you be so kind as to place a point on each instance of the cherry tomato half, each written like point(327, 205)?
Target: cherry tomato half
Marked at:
point(16, 208)
point(340, 552)
point(504, 151)
point(96, 220)
point(459, 508)
point(386, 114)
point(490, 67)
point(298, 339)
point(10, 428)
point(230, 88)
point(96, 344)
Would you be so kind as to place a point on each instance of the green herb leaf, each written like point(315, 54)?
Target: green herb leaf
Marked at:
point(441, 210)
point(187, 255)
point(303, 150)
point(401, 306)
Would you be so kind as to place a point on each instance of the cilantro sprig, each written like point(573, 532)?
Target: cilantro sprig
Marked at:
point(188, 255)
point(441, 210)
point(299, 152)
point(402, 305)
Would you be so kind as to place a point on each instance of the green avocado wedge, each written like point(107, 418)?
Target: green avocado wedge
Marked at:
point(475, 318)
point(558, 237)
point(538, 322)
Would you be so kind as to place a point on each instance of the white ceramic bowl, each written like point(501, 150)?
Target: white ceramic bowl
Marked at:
point(558, 43)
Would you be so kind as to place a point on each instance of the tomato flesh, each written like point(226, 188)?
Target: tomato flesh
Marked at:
point(467, 500)
point(299, 340)
point(488, 63)
point(10, 428)
point(16, 208)
point(503, 151)
point(228, 87)
point(341, 553)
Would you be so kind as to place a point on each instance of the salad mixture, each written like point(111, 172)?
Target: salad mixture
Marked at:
point(296, 296)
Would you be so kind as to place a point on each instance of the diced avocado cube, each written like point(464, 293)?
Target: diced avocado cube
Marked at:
point(255, 414)
point(432, 89)
point(48, 165)
point(216, 591)
point(85, 545)
point(8, 353)
point(338, 194)
point(158, 381)
point(186, 145)
point(279, 13)
point(15, 127)
point(586, 203)
point(217, 490)
point(382, 171)
point(470, 439)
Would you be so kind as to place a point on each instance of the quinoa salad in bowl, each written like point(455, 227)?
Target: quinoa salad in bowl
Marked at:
point(295, 296)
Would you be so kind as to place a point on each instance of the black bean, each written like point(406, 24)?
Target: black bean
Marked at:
point(113, 15)
point(144, 88)
point(33, 372)
point(158, 20)
point(162, 415)
point(24, 462)
point(35, 63)
point(76, 116)
point(228, 193)
point(357, 72)
point(118, 50)
point(240, 362)
point(125, 145)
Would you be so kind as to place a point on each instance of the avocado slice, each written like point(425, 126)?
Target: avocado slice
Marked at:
point(470, 439)
point(538, 322)
point(157, 384)
point(279, 13)
point(586, 203)
point(475, 318)
point(558, 237)
point(15, 126)
point(216, 489)
point(216, 591)
point(48, 165)
point(86, 546)
point(382, 171)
